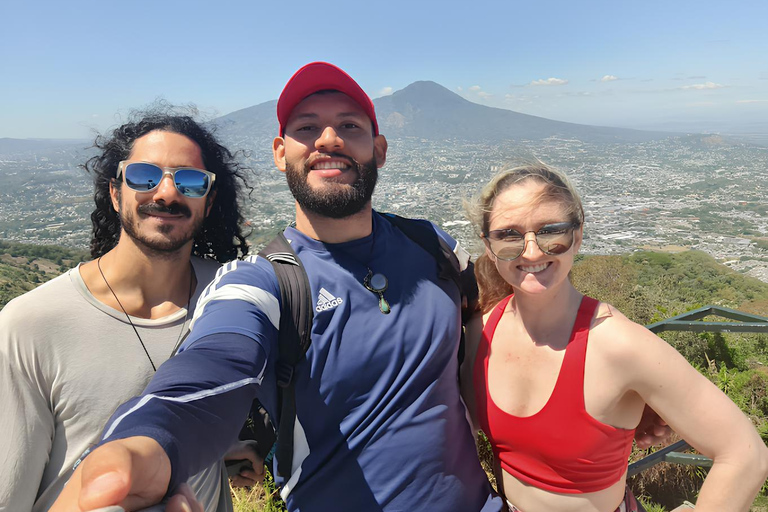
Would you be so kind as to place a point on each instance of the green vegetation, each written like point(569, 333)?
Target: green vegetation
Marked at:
point(25, 266)
point(712, 221)
point(260, 498)
point(651, 286)
point(652, 507)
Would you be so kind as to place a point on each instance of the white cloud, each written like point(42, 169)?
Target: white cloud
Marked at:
point(386, 91)
point(475, 91)
point(609, 78)
point(550, 81)
point(704, 86)
point(752, 101)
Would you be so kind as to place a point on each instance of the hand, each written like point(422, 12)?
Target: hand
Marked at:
point(652, 430)
point(133, 473)
point(184, 501)
point(247, 477)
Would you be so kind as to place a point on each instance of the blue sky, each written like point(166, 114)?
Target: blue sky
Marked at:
point(69, 68)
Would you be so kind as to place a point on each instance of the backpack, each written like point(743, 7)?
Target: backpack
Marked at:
point(296, 314)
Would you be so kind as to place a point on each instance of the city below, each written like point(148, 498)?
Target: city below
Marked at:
point(686, 192)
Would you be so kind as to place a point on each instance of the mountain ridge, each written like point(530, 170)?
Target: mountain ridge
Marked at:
point(428, 110)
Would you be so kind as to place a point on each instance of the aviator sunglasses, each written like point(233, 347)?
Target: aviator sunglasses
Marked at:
point(145, 177)
point(553, 239)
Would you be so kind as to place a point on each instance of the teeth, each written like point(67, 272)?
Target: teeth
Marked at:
point(534, 269)
point(330, 164)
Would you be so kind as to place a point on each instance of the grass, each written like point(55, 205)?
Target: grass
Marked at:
point(259, 498)
point(650, 506)
point(760, 504)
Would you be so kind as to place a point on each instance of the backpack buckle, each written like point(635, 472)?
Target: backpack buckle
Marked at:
point(284, 373)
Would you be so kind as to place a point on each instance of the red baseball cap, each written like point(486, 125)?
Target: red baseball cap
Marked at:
point(321, 76)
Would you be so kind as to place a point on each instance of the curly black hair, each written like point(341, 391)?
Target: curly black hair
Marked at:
point(221, 237)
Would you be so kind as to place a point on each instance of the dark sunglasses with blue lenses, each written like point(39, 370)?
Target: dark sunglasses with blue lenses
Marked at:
point(145, 177)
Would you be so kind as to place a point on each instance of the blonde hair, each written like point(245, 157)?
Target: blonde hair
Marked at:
point(557, 187)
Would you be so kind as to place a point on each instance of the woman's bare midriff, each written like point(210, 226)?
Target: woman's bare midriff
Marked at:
point(531, 499)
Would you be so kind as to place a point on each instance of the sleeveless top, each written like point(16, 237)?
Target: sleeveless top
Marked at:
point(561, 448)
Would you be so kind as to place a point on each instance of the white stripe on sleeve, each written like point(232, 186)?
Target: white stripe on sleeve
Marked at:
point(263, 300)
point(198, 395)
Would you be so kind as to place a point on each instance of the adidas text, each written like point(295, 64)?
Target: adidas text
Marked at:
point(329, 304)
point(326, 300)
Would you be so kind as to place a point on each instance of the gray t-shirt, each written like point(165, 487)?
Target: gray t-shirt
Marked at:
point(66, 362)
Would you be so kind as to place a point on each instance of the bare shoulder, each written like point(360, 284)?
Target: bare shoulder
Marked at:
point(617, 337)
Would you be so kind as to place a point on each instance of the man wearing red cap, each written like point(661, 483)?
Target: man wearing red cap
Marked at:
point(380, 424)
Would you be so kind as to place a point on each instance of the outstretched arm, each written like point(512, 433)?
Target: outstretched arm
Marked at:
point(156, 438)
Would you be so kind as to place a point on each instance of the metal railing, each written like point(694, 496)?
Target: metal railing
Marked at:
point(691, 321)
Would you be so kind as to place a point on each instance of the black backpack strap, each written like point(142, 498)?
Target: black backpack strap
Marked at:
point(423, 233)
point(294, 338)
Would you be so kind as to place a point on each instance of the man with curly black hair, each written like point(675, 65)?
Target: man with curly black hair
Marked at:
point(74, 349)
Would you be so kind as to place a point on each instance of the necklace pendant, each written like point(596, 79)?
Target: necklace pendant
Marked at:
point(383, 304)
point(377, 283)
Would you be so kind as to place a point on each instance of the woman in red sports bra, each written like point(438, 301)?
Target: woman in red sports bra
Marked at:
point(560, 380)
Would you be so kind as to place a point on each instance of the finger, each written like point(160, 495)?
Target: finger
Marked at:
point(244, 450)
point(184, 501)
point(132, 472)
point(250, 453)
point(240, 481)
point(252, 476)
point(258, 471)
point(105, 477)
point(643, 442)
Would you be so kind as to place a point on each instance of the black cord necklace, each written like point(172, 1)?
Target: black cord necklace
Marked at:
point(128, 317)
point(376, 283)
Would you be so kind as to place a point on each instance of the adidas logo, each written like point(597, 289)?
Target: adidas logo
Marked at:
point(326, 301)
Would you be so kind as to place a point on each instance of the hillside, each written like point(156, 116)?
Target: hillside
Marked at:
point(25, 266)
point(651, 286)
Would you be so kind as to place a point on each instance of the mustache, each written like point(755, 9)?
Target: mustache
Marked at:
point(172, 209)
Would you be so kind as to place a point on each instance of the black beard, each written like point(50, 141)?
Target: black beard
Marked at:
point(169, 246)
point(335, 200)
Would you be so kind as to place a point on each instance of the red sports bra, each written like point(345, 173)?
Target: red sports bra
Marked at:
point(561, 448)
